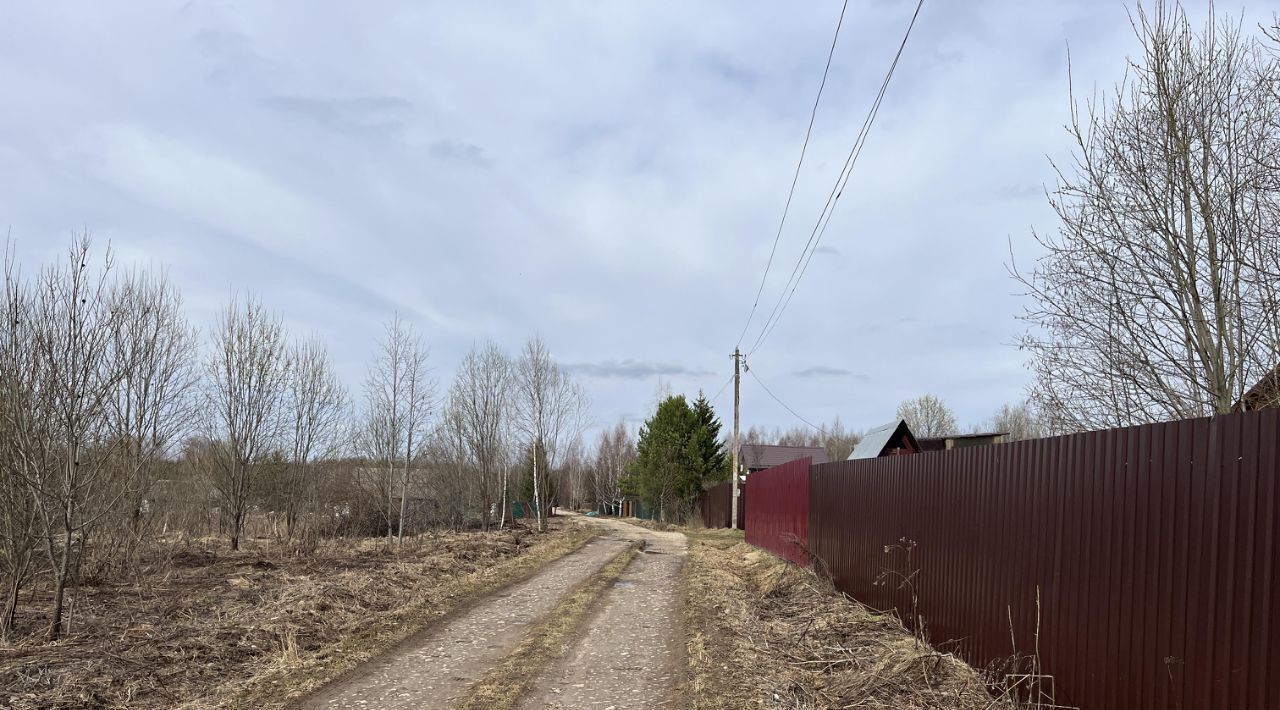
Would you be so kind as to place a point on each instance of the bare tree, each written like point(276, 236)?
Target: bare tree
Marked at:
point(153, 404)
point(1159, 296)
point(399, 395)
point(57, 405)
point(615, 451)
point(479, 407)
point(1019, 421)
point(838, 441)
point(574, 482)
point(459, 479)
point(551, 410)
point(19, 518)
point(247, 385)
point(317, 407)
point(928, 416)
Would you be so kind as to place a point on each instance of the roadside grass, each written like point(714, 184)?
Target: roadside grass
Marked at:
point(764, 633)
point(260, 627)
point(507, 682)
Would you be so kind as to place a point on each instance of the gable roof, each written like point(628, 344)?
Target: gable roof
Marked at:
point(876, 442)
point(768, 455)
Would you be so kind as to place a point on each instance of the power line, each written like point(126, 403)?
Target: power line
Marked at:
point(813, 114)
point(721, 390)
point(784, 404)
point(837, 190)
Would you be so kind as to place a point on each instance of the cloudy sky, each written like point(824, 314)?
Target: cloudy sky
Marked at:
point(608, 175)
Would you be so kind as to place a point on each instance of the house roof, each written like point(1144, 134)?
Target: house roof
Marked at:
point(977, 435)
point(886, 436)
point(1265, 393)
point(768, 455)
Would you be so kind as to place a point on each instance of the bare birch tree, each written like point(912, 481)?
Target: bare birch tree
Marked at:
point(247, 385)
point(399, 394)
point(615, 451)
point(1159, 296)
point(550, 410)
point(479, 406)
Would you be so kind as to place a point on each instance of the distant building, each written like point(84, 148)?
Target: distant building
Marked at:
point(758, 457)
point(1263, 395)
point(892, 439)
point(960, 441)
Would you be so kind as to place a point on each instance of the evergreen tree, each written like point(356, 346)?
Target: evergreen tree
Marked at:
point(713, 460)
point(679, 452)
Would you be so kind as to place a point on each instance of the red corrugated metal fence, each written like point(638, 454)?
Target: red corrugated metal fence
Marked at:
point(778, 510)
point(1142, 562)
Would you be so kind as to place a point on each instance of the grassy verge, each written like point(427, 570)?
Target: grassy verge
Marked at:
point(203, 626)
point(763, 633)
point(506, 682)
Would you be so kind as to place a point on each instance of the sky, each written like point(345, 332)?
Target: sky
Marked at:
point(607, 175)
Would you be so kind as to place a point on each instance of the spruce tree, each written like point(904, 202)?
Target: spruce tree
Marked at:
point(713, 459)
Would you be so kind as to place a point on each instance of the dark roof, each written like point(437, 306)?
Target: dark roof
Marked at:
point(768, 455)
point(884, 438)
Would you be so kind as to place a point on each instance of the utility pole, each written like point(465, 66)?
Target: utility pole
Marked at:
point(737, 381)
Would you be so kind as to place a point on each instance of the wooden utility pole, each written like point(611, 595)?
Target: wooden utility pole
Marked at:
point(737, 380)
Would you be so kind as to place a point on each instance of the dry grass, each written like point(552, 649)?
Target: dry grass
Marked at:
point(763, 633)
point(506, 683)
point(652, 524)
point(263, 625)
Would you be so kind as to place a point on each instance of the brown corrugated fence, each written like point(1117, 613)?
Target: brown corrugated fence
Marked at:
point(1141, 563)
point(713, 506)
point(778, 507)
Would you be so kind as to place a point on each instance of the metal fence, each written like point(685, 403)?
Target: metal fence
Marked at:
point(713, 506)
point(778, 508)
point(1139, 564)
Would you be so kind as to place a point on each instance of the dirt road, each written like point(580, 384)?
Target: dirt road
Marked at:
point(627, 656)
point(630, 655)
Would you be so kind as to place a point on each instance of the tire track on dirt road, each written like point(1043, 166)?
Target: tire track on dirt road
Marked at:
point(431, 669)
point(631, 653)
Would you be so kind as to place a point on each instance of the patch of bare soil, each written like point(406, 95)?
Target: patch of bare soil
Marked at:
point(255, 627)
point(763, 633)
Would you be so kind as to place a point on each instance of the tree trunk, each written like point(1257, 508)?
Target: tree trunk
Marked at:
point(60, 587)
point(537, 497)
point(10, 613)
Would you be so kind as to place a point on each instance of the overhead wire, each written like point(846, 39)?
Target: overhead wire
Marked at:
point(721, 390)
point(784, 404)
point(804, 147)
point(837, 190)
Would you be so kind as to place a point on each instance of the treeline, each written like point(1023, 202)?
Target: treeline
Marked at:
point(124, 428)
point(834, 437)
